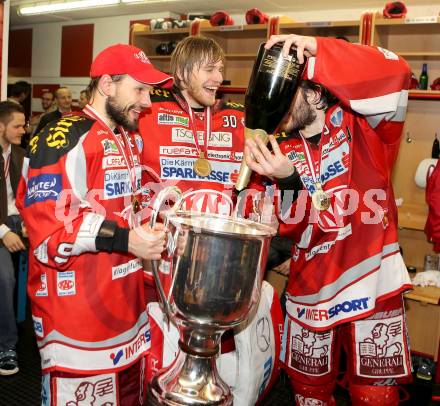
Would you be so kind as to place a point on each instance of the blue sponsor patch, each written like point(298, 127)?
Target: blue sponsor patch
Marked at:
point(46, 186)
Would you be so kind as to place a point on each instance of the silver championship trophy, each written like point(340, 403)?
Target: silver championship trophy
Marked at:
point(217, 270)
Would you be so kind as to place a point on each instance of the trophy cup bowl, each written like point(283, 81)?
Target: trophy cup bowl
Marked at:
point(217, 270)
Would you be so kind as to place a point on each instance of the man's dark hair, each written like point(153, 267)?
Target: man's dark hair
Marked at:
point(6, 110)
point(20, 87)
point(326, 99)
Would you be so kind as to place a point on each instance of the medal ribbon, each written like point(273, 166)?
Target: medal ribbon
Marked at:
point(315, 170)
point(206, 121)
point(7, 162)
point(90, 111)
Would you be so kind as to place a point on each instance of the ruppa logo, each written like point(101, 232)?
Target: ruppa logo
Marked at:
point(57, 137)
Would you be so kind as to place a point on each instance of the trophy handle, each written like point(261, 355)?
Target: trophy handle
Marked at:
point(174, 193)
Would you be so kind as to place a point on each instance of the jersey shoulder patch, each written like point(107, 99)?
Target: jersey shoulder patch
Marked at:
point(57, 139)
point(161, 95)
point(230, 105)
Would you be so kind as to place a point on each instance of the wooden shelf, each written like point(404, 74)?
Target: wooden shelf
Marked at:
point(428, 294)
point(172, 31)
point(418, 54)
point(242, 27)
point(319, 24)
point(412, 216)
point(407, 21)
point(241, 55)
point(416, 94)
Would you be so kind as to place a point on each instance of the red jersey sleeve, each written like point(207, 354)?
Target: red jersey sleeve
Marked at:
point(371, 81)
point(60, 222)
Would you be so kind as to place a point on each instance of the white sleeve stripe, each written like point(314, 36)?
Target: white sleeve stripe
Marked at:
point(311, 68)
point(381, 104)
point(85, 239)
point(25, 168)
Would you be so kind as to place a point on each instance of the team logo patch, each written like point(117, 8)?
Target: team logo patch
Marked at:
point(88, 390)
point(310, 352)
point(380, 348)
point(139, 142)
point(45, 186)
point(38, 326)
point(336, 117)
point(66, 285)
point(109, 147)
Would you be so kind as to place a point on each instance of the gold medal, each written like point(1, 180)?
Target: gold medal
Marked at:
point(202, 167)
point(135, 204)
point(320, 199)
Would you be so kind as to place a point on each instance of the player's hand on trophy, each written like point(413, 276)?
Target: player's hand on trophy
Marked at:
point(305, 46)
point(260, 159)
point(147, 243)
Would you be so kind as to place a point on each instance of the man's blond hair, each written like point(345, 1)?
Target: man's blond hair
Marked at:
point(191, 53)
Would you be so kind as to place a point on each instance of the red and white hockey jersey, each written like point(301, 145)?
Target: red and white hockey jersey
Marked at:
point(88, 307)
point(169, 151)
point(347, 257)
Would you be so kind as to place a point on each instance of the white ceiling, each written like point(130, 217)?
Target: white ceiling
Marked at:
point(273, 7)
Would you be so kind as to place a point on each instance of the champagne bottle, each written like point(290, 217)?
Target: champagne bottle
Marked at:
point(272, 86)
point(423, 80)
point(435, 148)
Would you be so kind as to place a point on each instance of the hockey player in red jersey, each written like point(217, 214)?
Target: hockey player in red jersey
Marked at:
point(196, 142)
point(190, 139)
point(347, 274)
point(79, 191)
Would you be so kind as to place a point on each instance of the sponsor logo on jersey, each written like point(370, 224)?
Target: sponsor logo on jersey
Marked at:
point(66, 285)
point(309, 351)
point(172, 119)
point(296, 156)
point(336, 117)
point(381, 348)
point(160, 92)
point(348, 306)
point(336, 163)
point(42, 290)
point(57, 137)
point(216, 138)
point(181, 150)
point(182, 169)
point(38, 326)
point(91, 390)
point(109, 147)
point(132, 349)
point(113, 161)
point(120, 271)
point(117, 183)
point(45, 186)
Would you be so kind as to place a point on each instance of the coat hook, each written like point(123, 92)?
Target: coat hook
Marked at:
point(408, 138)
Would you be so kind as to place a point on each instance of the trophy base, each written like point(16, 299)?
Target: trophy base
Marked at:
point(189, 381)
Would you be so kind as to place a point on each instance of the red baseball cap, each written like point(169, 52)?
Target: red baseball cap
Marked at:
point(122, 59)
